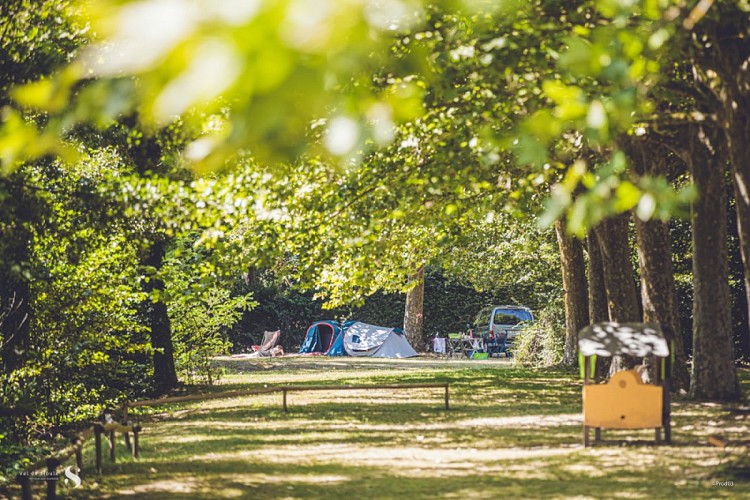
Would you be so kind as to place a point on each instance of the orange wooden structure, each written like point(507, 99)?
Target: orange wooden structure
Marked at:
point(625, 401)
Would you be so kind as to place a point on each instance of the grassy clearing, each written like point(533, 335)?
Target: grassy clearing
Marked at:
point(511, 432)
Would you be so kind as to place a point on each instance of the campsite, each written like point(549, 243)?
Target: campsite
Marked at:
point(374, 249)
point(510, 431)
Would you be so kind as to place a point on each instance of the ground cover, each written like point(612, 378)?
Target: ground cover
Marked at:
point(511, 432)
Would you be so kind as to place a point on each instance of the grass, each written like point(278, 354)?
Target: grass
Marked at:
point(511, 432)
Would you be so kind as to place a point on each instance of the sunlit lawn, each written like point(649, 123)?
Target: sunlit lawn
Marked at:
point(511, 432)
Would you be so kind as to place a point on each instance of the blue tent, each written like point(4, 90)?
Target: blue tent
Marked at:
point(324, 337)
point(355, 339)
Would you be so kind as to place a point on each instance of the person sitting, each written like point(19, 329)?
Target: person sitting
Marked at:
point(268, 348)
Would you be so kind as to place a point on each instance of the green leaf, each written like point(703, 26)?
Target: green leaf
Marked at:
point(627, 196)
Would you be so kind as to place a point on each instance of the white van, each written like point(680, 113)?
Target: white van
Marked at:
point(500, 321)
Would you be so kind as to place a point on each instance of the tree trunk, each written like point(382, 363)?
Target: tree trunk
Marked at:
point(18, 209)
point(738, 139)
point(250, 276)
point(14, 324)
point(413, 313)
point(165, 375)
point(597, 291)
point(574, 285)
point(658, 292)
point(658, 296)
point(742, 197)
point(722, 65)
point(714, 376)
point(622, 299)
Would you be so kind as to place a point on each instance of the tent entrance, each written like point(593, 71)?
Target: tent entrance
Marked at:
point(323, 337)
point(326, 335)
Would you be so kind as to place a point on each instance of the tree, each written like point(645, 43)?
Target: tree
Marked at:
point(20, 209)
point(622, 301)
point(597, 291)
point(719, 54)
point(575, 289)
point(714, 375)
point(414, 310)
point(155, 310)
point(32, 45)
point(202, 309)
point(658, 296)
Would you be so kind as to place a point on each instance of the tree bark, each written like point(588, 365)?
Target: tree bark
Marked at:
point(714, 376)
point(413, 312)
point(575, 290)
point(726, 54)
point(597, 291)
point(658, 295)
point(622, 299)
point(14, 324)
point(742, 197)
point(157, 318)
point(17, 210)
point(737, 129)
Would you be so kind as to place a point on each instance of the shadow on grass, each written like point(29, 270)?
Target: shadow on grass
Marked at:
point(510, 432)
point(531, 478)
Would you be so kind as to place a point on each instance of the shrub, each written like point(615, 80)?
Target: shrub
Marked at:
point(542, 344)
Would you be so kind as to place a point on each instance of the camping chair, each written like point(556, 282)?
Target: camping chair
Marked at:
point(456, 345)
point(270, 339)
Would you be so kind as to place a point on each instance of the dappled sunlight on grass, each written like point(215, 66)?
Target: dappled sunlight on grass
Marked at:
point(510, 432)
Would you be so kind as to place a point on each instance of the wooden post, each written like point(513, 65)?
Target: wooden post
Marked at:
point(112, 446)
point(23, 480)
point(597, 369)
point(284, 391)
point(586, 365)
point(447, 400)
point(52, 464)
point(667, 400)
point(98, 429)
point(597, 380)
point(136, 430)
point(127, 441)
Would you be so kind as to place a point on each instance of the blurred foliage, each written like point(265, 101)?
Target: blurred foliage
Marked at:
point(541, 344)
point(523, 87)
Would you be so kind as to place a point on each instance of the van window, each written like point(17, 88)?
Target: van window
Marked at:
point(510, 316)
point(505, 319)
point(483, 318)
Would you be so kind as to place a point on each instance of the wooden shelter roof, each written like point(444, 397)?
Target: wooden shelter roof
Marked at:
point(633, 339)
